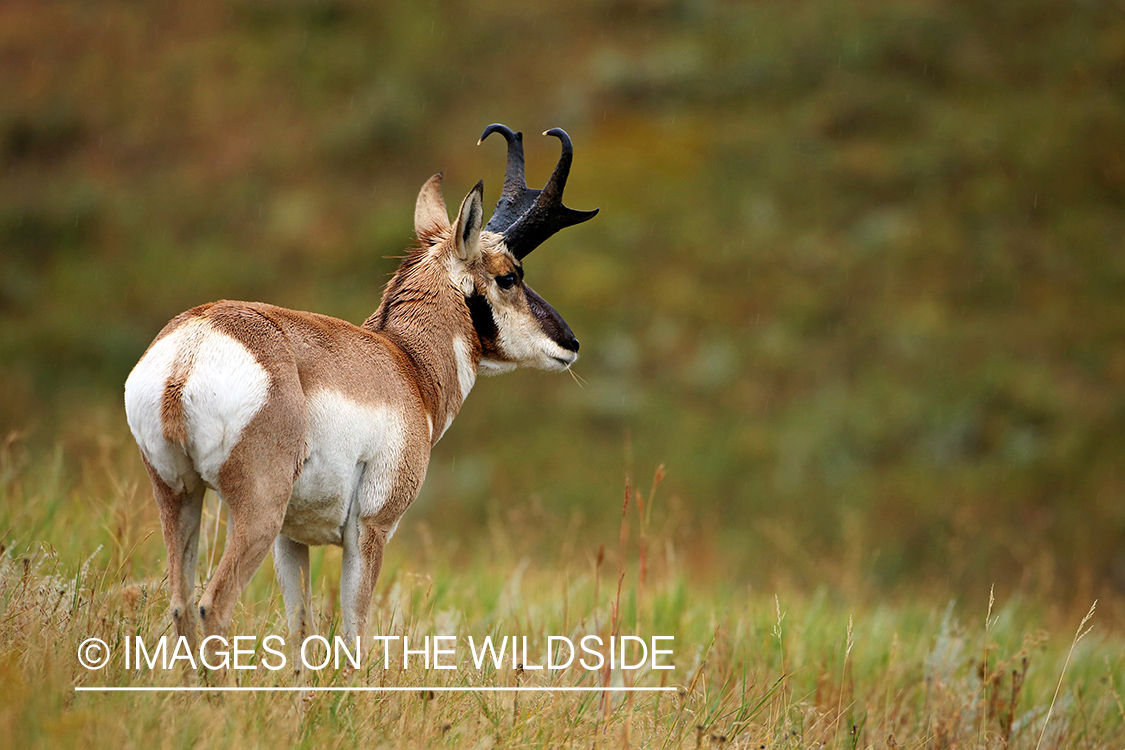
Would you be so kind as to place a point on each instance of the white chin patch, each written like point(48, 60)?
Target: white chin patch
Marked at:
point(561, 362)
point(495, 366)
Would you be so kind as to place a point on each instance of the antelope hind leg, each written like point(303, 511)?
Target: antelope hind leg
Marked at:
point(180, 514)
point(291, 564)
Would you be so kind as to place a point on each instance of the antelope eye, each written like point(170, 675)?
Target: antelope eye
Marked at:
point(507, 281)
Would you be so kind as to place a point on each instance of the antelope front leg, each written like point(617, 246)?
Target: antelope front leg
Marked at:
point(381, 500)
point(364, 540)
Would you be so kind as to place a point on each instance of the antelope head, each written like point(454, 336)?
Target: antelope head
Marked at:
point(516, 327)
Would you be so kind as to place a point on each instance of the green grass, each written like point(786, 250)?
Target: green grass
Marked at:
point(782, 666)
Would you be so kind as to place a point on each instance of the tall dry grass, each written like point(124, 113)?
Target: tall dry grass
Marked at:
point(753, 667)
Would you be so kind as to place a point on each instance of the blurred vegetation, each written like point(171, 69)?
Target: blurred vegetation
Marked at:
point(858, 279)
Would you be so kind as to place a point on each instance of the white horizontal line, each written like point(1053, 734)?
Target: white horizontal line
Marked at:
point(371, 689)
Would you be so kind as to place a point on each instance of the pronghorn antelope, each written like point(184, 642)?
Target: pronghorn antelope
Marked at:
point(318, 431)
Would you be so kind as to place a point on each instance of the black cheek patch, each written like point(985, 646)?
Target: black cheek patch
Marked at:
point(483, 322)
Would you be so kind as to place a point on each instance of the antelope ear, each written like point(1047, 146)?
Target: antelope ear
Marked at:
point(466, 230)
point(430, 215)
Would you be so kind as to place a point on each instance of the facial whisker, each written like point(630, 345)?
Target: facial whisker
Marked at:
point(577, 378)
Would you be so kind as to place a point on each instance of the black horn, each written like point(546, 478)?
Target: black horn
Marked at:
point(515, 197)
point(526, 217)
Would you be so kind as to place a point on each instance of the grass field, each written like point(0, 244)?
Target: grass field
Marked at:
point(754, 667)
point(857, 282)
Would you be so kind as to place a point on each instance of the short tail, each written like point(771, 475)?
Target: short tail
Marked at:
point(172, 416)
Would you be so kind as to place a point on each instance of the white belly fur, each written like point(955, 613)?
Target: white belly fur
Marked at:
point(354, 452)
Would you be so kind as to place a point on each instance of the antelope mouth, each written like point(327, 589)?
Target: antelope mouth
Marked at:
point(566, 361)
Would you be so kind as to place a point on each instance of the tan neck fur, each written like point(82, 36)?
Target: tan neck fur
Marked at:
point(422, 313)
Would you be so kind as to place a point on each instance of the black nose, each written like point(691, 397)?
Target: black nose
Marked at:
point(550, 321)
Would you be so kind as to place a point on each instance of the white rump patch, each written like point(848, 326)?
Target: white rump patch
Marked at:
point(144, 398)
point(224, 389)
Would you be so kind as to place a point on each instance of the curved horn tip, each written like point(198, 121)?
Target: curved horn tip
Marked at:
point(503, 130)
point(567, 144)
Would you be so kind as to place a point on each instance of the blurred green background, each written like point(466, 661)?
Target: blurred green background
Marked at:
point(858, 280)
